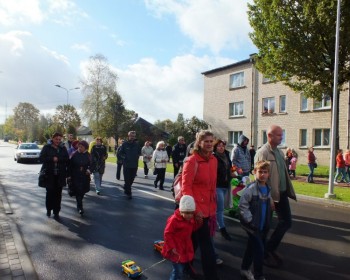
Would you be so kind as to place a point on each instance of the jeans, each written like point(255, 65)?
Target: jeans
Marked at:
point(129, 177)
point(310, 177)
point(178, 269)
point(160, 177)
point(254, 253)
point(98, 181)
point(220, 199)
point(202, 238)
point(284, 215)
point(145, 168)
point(341, 170)
point(119, 168)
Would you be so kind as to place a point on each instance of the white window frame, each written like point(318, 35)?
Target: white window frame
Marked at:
point(319, 105)
point(270, 106)
point(303, 102)
point(324, 134)
point(302, 135)
point(237, 80)
point(236, 109)
point(283, 102)
point(234, 136)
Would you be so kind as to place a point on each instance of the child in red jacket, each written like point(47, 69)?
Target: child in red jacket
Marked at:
point(178, 247)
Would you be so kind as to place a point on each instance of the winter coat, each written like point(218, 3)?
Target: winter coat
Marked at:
point(130, 153)
point(266, 153)
point(250, 208)
point(98, 158)
point(146, 152)
point(179, 153)
point(78, 165)
point(177, 235)
point(201, 183)
point(158, 156)
point(46, 157)
point(224, 172)
point(241, 156)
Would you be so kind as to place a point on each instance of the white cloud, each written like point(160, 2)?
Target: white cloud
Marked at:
point(20, 11)
point(81, 47)
point(220, 24)
point(13, 40)
point(161, 92)
point(56, 55)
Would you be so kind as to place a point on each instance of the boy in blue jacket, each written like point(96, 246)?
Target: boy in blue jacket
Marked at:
point(255, 214)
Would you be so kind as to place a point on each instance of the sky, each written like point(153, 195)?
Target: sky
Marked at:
point(157, 48)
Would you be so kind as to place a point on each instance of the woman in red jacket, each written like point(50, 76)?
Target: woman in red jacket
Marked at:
point(199, 181)
point(340, 168)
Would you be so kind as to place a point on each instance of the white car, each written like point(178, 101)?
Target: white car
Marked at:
point(27, 152)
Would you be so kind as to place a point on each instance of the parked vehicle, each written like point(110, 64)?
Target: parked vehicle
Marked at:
point(27, 152)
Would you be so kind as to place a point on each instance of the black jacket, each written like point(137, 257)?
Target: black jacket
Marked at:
point(179, 153)
point(98, 157)
point(46, 157)
point(223, 178)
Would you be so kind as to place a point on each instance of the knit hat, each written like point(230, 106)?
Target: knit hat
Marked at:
point(84, 144)
point(187, 204)
point(75, 144)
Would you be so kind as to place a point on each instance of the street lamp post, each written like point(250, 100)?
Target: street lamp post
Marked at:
point(67, 90)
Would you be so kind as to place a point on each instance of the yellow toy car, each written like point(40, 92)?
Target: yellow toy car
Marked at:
point(158, 245)
point(131, 269)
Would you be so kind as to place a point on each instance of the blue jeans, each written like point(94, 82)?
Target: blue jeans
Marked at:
point(220, 199)
point(98, 181)
point(310, 177)
point(284, 216)
point(254, 253)
point(178, 269)
point(341, 170)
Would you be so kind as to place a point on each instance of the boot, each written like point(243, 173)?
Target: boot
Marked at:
point(225, 234)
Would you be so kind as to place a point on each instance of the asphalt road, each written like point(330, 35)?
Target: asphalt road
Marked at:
point(114, 229)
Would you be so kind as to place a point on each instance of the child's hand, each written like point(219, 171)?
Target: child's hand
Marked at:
point(198, 217)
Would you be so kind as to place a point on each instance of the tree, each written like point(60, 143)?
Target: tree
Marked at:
point(25, 117)
point(97, 86)
point(67, 116)
point(296, 43)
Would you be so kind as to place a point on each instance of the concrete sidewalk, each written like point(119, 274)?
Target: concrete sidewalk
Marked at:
point(14, 260)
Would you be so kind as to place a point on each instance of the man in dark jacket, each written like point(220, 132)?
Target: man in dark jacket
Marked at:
point(130, 152)
point(98, 157)
point(179, 153)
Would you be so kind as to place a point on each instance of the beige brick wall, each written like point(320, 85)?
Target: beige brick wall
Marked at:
point(218, 96)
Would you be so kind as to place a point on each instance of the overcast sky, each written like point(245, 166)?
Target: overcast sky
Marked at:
point(158, 48)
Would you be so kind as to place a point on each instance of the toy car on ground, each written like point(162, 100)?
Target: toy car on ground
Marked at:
point(158, 245)
point(131, 269)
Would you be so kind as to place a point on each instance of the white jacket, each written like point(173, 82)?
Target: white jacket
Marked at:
point(158, 156)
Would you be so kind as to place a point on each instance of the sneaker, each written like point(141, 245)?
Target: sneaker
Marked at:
point(225, 234)
point(335, 183)
point(146, 176)
point(272, 259)
point(219, 261)
point(247, 274)
point(98, 192)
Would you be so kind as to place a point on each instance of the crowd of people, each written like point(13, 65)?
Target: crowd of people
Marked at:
point(206, 169)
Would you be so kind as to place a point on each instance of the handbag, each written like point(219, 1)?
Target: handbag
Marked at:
point(315, 165)
point(42, 179)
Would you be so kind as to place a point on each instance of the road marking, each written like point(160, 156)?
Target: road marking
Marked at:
point(321, 225)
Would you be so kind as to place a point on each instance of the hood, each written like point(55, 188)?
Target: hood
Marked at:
point(241, 139)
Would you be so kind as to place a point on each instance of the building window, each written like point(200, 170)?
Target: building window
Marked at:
point(283, 104)
point(237, 80)
point(264, 137)
point(233, 137)
point(303, 137)
point(303, 103)
point(325, 103)
point(283, 142)
point(268, 80)
point(269, 105)
point(322, 137)
point(236, 109)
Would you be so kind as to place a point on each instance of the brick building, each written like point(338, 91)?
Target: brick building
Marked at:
point(239, 100)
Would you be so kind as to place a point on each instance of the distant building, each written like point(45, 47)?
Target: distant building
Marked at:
point(84, 133)
point(239, 100)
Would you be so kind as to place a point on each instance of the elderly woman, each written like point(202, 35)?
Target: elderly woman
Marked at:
point(160, 158)
point(146, 153)
point(79, 174)
point(199, 181)
point(54, 157)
